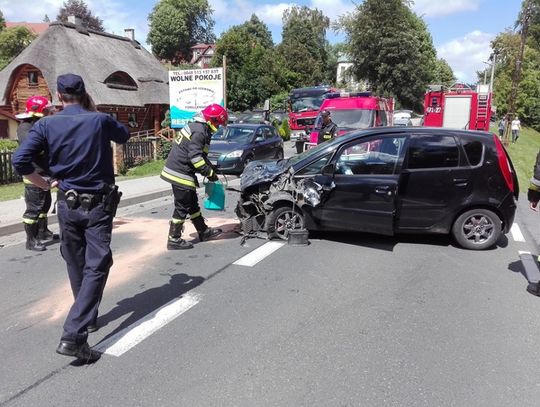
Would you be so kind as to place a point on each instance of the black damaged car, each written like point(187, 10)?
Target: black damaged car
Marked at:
point(387, 181)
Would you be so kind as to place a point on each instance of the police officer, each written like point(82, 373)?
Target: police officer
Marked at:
point(328, 130)
point(78, 142)
point(187, 157)
point(38, 202)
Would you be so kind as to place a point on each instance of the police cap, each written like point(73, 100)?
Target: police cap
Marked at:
point(71, 84)
point(325, 113)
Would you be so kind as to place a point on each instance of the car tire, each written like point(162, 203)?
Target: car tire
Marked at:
point(283, 219)
point(279, 155)
point(247, 160)
point(477, 229)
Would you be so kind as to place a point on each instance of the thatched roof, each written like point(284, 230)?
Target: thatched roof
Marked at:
point(66, 48)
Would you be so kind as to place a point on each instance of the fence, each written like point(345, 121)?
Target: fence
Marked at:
point(138, 152)
point(8, 174)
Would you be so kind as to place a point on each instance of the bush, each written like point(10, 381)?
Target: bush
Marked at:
point(8, 145)
point(164, 147)
point(285, 130)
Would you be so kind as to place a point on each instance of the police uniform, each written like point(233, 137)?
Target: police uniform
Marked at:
point(78, 145)
point(188, 156)
point(327, 132)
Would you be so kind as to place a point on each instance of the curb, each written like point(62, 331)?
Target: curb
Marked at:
point(17, 227)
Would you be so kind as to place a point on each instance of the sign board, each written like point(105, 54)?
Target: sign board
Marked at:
point(192, 90)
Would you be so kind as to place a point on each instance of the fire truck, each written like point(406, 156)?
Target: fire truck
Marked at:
point(458, 106)
point(304, 104)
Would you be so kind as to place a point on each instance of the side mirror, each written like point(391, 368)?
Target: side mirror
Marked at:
point(328, 170)
point(258, 139)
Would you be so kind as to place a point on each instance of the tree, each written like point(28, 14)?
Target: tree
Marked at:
point(46, 18)
point(12, 42)
point(304, 47)
point(2, 21)
point(78, 8)
point(177, 25)
point(391, 49)
point(254, 71)
point(443, 73)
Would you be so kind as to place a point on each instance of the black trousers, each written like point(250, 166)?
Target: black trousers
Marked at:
point(186, 203)
point(85, 246)
point(38, 202)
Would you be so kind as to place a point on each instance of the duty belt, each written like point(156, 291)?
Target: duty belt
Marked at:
point(74, 199)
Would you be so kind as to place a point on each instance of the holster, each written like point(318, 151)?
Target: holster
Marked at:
point(111, 199)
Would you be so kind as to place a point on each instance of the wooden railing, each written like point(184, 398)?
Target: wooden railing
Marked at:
point(8, 174)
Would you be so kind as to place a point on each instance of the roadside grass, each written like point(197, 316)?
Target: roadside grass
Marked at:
point(16, 191)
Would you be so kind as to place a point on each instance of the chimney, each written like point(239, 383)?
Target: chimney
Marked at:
point(75, 20)
point(129, 33)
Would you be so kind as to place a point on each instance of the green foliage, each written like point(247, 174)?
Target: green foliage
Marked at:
point(285, 130)
point(146, 169)
point(304, 47)
point(177, 25)
point(279, 101)
point(2, 21)
point(12, 42)
point(164, 148)
point(79, 9)
point(254, 70)
point(167, 120)
point(8, 145)
point(443, 73)
point(391, 49)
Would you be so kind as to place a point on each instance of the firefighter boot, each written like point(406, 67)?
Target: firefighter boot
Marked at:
point(175, 241)
point(32, 241)
point(205, 232)
point(44, 234)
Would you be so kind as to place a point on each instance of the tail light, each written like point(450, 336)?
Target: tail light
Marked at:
point(504, 164)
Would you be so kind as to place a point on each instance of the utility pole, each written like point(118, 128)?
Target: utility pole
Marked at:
point(525, 18)
point(492, 72)
point(224, 64)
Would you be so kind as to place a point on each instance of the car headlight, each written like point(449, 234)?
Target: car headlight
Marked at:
point(235, 154)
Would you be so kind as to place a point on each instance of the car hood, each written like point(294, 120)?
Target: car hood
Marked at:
point(259, 172)
point(224, 146)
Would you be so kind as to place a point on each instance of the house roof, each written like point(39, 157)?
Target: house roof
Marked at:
point(66, 48)
point(36, 28)
point(204, 53)
point(202, 46)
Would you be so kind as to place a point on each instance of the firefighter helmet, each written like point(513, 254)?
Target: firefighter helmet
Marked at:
point(35, 107)
point(215, 114)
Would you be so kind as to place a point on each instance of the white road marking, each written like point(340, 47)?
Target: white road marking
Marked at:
point(523, 252)
point(250, 259)
point(516, 233)
point(134, 334)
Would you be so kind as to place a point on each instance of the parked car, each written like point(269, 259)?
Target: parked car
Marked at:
point(403, 118)
point(234, 146)
point(388, 180)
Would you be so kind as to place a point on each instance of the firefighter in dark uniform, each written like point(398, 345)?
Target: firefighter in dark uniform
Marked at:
point(187, 157)
point(78, 144)
point(38, 202)
point(533, 196)
point(328, 130)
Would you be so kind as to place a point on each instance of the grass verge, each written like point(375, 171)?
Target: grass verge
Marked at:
point(11, 191)
point(523, 154)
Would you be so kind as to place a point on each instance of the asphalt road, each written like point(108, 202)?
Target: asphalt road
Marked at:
point(350, 320)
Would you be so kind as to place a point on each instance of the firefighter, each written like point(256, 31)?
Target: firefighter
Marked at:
point(38, 201)
point(329, 129)
point(187, 157)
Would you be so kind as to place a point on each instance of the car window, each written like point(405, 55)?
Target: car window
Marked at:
point(374, 156)
point(267, 132)
point(433, 151)
point(473, 151)
point(384, 120)
point(316, 166)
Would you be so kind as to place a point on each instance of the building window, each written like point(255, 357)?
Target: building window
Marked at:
point(132, 120)
point(121, 80)
point(32, 78)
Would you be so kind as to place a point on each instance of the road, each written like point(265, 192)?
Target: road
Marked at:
point(350, 320)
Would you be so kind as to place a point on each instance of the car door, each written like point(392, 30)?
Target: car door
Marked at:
point(259, 145)
point(365, 185)
point(436, 181)
point(275, 144)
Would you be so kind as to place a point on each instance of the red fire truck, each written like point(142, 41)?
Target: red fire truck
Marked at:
point(304, 104)
point(458, 107)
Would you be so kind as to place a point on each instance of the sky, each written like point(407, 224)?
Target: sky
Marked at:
point(461, 29)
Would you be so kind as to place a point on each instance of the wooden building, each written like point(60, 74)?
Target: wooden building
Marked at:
point(202, 55)
point(123, 78)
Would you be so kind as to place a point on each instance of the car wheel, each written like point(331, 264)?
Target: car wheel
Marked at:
point(279, 155)
point(477, 229)
point(247, 160)
point(282, 220)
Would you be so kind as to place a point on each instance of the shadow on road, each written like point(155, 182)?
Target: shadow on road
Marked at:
point(148, 301)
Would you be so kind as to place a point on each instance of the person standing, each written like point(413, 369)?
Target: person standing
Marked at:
point(78, 142)
point(516, 128)
point(188, 156)
point(502, 127)
point(329, 129)
point(38, 201)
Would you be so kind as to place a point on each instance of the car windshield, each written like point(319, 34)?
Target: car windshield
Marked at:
point(306, 104)
point(236, 134)
point(350, 119)
point(326, 146)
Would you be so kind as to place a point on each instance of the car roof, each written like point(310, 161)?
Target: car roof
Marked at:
point(248, 125)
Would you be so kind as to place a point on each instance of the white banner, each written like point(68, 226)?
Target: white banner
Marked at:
point(192, 90)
